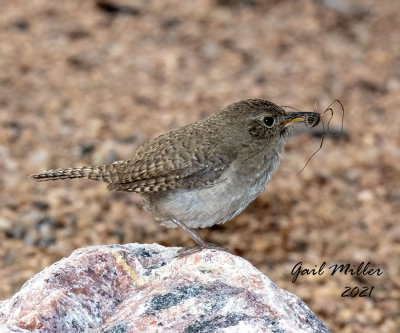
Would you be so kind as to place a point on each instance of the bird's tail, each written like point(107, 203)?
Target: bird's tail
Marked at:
point(101, 172)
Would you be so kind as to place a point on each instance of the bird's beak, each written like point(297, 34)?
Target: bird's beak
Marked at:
point(294, 117)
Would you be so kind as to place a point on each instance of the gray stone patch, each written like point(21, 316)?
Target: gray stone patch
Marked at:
point(150, 269)
point(161, 302)
point(273, 325)
point(119, 328)
point(142, 252)
point(210, 326)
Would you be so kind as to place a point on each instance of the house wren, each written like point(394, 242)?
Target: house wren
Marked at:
point(204, 173)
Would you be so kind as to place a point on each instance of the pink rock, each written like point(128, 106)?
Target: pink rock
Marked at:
point(144, 288)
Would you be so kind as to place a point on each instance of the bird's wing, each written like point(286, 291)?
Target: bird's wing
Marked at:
point(173, 161)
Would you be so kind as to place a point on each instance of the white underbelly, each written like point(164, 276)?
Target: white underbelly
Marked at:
point(208, 206)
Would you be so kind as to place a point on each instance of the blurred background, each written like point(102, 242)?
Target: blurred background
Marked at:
point(86, 82)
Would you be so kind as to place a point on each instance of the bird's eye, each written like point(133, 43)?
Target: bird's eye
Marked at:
point(269, 121)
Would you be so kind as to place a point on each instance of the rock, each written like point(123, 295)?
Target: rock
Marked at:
point(145, 288)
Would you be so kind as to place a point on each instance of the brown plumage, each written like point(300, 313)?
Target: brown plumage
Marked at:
point(185, 158)
point(176, 160)
point(204, 173)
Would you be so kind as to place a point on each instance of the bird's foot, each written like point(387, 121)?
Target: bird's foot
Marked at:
point(203, 246)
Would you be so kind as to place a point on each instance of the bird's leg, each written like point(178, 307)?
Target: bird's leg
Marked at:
point(201, 245)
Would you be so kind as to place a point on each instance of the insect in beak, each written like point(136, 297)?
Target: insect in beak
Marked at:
point(311, 119)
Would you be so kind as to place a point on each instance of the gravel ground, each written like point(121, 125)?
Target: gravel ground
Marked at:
point(86, 82)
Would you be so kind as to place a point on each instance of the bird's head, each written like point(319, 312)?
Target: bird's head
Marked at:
point(261, 123)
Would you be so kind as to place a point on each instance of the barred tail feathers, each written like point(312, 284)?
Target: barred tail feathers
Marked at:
point(101, 172)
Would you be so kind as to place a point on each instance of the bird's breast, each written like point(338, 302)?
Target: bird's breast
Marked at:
point(238, 186)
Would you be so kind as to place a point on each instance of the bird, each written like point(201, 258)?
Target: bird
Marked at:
point(204, 173)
